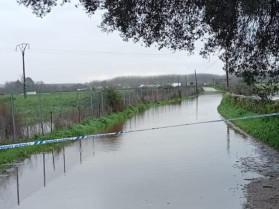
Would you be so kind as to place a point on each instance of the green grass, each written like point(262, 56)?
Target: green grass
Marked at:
point(64, 102)
point(89, 126)
point(265, 129)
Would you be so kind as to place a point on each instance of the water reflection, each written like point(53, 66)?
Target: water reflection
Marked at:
point(237, 131)
point(53, 160)
point(197, 108)
point(64, 160)
point(80, 152)
point(228, 139)
point(44, 169)
point(232, 132)
point(17, 185)
point(116, 127)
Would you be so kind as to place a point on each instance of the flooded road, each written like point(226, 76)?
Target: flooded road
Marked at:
point(199, 166)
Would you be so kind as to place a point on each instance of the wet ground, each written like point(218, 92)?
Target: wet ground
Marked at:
point(200, 166)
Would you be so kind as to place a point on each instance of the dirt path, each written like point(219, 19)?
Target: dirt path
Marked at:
point(263, 193)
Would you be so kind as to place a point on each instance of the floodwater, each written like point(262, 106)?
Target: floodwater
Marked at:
point(197, 166)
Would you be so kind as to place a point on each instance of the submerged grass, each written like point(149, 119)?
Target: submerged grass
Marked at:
point(89, 126)
point(265, 129)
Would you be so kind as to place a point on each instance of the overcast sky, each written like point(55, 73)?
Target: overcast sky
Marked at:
point(66, 46)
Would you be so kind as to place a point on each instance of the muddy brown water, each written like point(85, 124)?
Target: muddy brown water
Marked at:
point(199, 166)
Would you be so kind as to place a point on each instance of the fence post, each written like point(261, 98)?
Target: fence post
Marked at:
point(129, 98)
point(13, 117)
point(78, 106)
point(124, 99)
point(156, 96)
point(50, 121)
point(102, 103)
point(61, 113)
point(91, 103)
point(41, 114)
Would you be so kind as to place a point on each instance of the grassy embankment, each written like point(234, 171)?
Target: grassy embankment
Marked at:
point(89, 126)
point(265, 129)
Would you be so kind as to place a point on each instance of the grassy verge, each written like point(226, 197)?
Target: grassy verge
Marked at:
point(265, 129)
point(89, 126)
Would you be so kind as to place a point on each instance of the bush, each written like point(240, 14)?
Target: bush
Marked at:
point(242, 88)
point(266, 91)
point(253, 104)
point(114, 99)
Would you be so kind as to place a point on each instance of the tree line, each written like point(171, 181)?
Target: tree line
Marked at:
point(119, 82)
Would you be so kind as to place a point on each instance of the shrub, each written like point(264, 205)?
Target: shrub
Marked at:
point(114, 99)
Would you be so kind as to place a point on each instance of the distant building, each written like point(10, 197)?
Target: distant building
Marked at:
point(31, 92)
point(175, 84)
point(85, 89)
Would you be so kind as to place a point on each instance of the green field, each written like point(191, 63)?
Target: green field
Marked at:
point(50, 102)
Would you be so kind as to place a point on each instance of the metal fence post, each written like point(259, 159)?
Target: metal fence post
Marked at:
point(50, 121)
point(13, 118)
point(78, 106)
point(61, 113)
point(41, 114)
point(91, 103)
point(102, 103)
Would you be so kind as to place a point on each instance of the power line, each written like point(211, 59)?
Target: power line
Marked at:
point(96, 52)
point(87, 52)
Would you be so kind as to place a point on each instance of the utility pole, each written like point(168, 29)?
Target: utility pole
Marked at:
point(227, 70)
point(22, 48)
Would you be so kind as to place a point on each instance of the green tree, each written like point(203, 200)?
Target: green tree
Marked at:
point(30, 84)
point(114, 99)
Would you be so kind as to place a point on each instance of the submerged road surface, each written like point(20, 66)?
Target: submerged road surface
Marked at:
point(199, 166)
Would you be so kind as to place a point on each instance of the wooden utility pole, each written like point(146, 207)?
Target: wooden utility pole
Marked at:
point(22, 48)
point(227, 70)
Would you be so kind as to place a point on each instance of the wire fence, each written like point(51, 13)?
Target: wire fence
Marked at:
point(42, 113)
